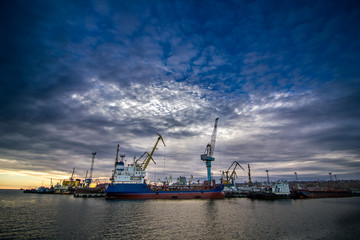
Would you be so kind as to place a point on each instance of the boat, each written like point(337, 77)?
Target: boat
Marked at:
point(271, 191)
point(33, 190)
point(313, 192)
point(41, 190)
point(234, 191)
point(96, 190)
point(128, 182)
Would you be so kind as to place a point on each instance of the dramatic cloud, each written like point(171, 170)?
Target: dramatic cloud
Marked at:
point(80, 77)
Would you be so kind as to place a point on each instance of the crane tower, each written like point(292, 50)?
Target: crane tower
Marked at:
point(207, 157)
point(88, 180)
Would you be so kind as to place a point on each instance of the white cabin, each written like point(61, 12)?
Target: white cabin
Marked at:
point(281, 188)
point(129, 174)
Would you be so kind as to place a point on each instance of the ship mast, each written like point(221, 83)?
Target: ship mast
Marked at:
point(116, 162)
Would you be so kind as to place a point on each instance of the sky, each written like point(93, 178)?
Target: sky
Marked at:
point(78, 77)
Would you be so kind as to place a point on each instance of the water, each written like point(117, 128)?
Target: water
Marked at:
point(36, 216)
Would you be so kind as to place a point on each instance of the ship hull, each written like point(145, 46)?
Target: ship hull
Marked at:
point(142, 191)
point(324, 194)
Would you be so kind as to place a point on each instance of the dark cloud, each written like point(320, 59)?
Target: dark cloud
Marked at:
point(283, 77)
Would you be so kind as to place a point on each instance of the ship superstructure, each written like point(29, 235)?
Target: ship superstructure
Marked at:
point(132, 173)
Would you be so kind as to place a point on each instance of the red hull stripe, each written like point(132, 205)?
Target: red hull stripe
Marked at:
point(184, 195)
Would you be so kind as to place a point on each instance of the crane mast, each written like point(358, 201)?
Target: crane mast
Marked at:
point(207, 157)
point(88, 180)
point(116, 162)
point(92, 164)
point(72, 175)
point(249, 174)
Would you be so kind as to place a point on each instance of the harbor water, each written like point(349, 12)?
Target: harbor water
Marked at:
point(52, 216)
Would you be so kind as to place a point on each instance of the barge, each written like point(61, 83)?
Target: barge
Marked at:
point(322, 193)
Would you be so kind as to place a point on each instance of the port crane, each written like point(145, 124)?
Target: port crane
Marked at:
point(207, 157)
point(249, 174)
point(88, 180)
point(146, 161)
point(233, 173)
point(72, 175)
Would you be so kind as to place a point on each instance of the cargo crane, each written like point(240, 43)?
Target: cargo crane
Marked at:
point(233, 173)
point(209, 152)
point(72, 175)
point(146, 161)
point(88, 180)
point(71, 182)
point(249, 174)
point(142, 164)
point(116, 162)
point(92, 164)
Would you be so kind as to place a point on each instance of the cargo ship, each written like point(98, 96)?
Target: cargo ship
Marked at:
point(138, 190)
point(128, 182)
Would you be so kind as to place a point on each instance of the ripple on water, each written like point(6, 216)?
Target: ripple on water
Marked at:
point(66, 217)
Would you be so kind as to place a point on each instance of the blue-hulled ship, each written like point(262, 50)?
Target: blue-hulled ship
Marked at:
point(128, 182)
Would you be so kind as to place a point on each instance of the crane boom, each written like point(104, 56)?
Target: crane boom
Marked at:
point(149, 156)
point(116, 162)
point(72, 174)
point(210, 148)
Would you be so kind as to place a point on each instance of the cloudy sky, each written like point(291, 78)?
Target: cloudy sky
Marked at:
point(83, 76)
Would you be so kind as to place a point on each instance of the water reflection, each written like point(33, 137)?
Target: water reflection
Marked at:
point(65, 217)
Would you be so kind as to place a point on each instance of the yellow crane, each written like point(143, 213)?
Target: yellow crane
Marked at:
point(146, 161)
point(233, 173)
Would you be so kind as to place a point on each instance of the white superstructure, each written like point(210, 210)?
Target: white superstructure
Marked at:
point(280, 188)
point(129, 174)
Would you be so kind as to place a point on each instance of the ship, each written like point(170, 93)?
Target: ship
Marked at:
point(93, 190)
point(128, 182)
point(41, 190)
point(138, 190)
point(313, 192)
point(271, 191)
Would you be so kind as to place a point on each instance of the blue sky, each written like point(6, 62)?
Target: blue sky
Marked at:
point(82, 76)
